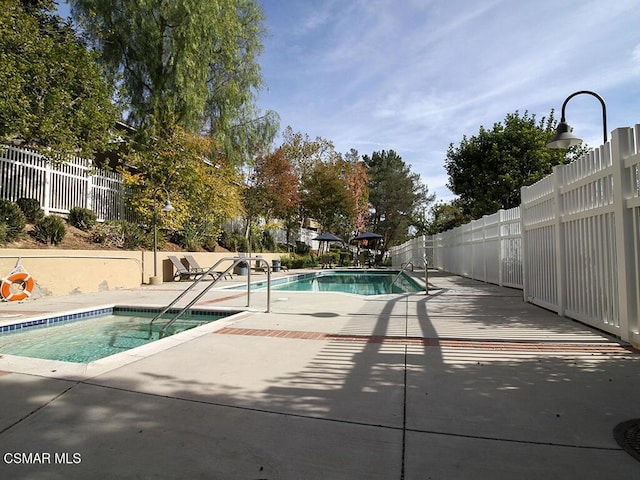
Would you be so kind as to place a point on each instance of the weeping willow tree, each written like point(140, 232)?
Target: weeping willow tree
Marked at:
point(186, 68)
point(191, 63)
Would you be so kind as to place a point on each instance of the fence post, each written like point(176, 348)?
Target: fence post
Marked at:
point(484, 248)
point(500, 257)
point(559, 240)
point(621, 147)
point(525, 252)
point(89, 176)
point(47, 188)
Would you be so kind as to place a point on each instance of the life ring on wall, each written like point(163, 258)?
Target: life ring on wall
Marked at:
point(22, 278)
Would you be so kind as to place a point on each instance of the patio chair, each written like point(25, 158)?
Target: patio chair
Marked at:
point(184, 273)
point(194, 267)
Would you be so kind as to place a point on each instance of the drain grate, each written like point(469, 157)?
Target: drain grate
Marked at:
point(627, 434)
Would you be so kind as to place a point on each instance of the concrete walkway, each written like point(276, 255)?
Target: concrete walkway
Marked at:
point(466, 383)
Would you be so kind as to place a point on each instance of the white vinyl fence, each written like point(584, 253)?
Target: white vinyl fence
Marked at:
point(573, 245)
point(74, 183)
point(415, 252)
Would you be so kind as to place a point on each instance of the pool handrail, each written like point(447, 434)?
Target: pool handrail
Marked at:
point(403, 267)
point(235, 261)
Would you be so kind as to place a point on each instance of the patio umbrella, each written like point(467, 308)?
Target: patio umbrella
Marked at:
point(367, 236)
point(328, 237)
point(370, 237)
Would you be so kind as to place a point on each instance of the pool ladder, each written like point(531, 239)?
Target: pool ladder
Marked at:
point(235, 261)
point(404, 267)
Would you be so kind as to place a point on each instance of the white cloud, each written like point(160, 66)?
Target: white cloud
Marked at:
point(415, 75)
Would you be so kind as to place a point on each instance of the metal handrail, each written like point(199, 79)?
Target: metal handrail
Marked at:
point(406, 264)
point(403, 267)
point(235, 261)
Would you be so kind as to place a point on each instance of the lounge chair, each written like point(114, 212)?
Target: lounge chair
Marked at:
point(194, 267)
point(184, 273)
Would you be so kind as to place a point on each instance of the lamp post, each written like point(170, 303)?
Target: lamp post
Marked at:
point(564, 138)
point(155, 280)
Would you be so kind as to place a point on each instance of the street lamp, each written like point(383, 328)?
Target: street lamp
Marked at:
point(167, 208)
point(564, 138)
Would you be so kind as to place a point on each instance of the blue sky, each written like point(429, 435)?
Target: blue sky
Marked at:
point(417, 75)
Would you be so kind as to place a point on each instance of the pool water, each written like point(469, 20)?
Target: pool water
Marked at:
point(359, 283)
point(89, 339)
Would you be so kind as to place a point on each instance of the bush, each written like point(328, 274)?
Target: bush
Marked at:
point(31, 209)
point(299, 261)
point(210, 244)
point(49, 230)
point(13, 218)
point(269, 242)
point(82, 218)
point(120, 234)
point(3, 232)
point(234, 242)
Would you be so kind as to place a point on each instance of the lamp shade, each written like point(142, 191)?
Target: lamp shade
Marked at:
point(168, 207)
point(564, 138)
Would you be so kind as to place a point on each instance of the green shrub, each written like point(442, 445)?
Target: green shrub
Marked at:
point(82, 218)
point(49, 230)
point(234, 242)
point(121, 234)
point(299, 261)
point(210, 244)
point(31, 209)
point(269, 242)
point(3, 232)
point(13, 218)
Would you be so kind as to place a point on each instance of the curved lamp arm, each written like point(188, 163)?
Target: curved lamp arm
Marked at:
point(564, 138)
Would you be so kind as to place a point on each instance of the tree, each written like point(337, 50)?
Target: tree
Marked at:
point(204, 191)
point(396, 196)
point(488, 170)
point(326, 196)
point(274, 187)
point(445, 216)
point(191, 63)
point(273, 191)
point(304, 153)
point(54, 95)
point(357, 184)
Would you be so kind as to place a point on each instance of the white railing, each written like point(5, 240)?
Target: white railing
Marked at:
point(75, 183)
point(573, 245)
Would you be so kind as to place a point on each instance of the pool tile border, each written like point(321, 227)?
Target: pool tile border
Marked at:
point(52, 320)
point(48, 320)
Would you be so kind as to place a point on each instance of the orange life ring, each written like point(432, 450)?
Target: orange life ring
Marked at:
point(21, 277)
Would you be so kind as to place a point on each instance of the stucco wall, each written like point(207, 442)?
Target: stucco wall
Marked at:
point(68, 272)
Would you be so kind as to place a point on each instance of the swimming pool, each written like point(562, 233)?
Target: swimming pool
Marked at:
point(359, 282)
point(84, 337)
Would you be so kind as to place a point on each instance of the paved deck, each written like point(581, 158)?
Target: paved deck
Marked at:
point(468, 382)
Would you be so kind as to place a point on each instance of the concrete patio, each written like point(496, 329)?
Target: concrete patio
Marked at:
point(468, 382)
